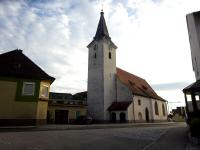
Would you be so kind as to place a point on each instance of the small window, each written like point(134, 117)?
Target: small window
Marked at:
point(156, 108)
point(45, 91)
point(163, 109)
point(28, 88)
point(95, 55)
point(109, 55)
point(78, 113)
point(139, 102)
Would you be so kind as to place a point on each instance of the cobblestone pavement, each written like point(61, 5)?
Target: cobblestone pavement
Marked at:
point(137, 138)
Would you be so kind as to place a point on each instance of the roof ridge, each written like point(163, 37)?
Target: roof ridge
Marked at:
point(15, 50)
point(23, 66)
point(130, 73)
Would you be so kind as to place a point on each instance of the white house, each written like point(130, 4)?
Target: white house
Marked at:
point(114, 94)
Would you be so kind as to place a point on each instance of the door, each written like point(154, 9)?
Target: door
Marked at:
point(122, 117)
point(113, 117)
point(147, 114)
point(61, 116)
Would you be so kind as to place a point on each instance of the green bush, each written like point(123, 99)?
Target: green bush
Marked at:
point(195, 127)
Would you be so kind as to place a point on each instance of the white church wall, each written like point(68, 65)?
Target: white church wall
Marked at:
point(123, 92)
point(160, 116)
point(130, 114)
point(101, 79)
point(109, 76)
point(145, 103)
point(95, 85)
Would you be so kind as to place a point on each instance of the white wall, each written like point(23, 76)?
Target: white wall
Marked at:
point(160, 115)
point(95, 82)
point(109, 76)
point(101, 79)
point(123, 92)
point(130, 115)
point(193, 23)
point(145, 103)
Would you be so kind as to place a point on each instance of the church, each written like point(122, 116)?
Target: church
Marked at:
point(115, 95)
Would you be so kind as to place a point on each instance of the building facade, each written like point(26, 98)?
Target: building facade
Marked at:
point(64, 108)
point(192, 92)
point(24, 90)
point(114, 94)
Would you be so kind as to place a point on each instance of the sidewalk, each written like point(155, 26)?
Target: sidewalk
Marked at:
point(193, 143)
point(82, 127)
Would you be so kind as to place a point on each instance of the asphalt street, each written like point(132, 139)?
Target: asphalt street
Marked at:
point(169, 137)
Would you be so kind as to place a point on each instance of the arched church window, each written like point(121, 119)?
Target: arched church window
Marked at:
point(109, 55)
point(156, 108)
point(163, 109)
point(139, 102)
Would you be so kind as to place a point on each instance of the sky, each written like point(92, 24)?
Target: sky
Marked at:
point(151, 36)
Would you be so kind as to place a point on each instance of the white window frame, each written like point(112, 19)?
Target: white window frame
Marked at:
point(42, 95)
point(28, 94)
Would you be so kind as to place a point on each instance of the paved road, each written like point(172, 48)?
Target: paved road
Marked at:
point(137, 138)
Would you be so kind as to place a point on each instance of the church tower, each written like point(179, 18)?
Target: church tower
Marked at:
point(101, 73)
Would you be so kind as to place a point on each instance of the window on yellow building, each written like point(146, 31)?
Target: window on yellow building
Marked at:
point(78, 113)
point(44, 91)
point(28, 89)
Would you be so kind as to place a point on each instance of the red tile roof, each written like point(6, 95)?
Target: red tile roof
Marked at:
point(16, 64)
point(137, 85)
point(116, 106)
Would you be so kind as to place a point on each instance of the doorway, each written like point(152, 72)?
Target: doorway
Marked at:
point(113, 117)
point(61, 116)
point(147, 114)
point(122, 117)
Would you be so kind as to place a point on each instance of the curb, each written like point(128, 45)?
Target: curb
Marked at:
point(79, 127)
point(193, 143)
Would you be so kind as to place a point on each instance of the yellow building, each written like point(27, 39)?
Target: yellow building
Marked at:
point(65, 108)
point(24, 90)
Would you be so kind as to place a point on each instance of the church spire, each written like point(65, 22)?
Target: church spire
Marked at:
point(102, 30)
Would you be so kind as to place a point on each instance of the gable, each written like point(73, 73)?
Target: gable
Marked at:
point(16, 64)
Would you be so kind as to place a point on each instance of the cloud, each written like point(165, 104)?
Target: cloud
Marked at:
point(52, 34)
point(151, 36)
point(170, 86)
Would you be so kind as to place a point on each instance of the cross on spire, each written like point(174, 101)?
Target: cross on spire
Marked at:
point(101, 1)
